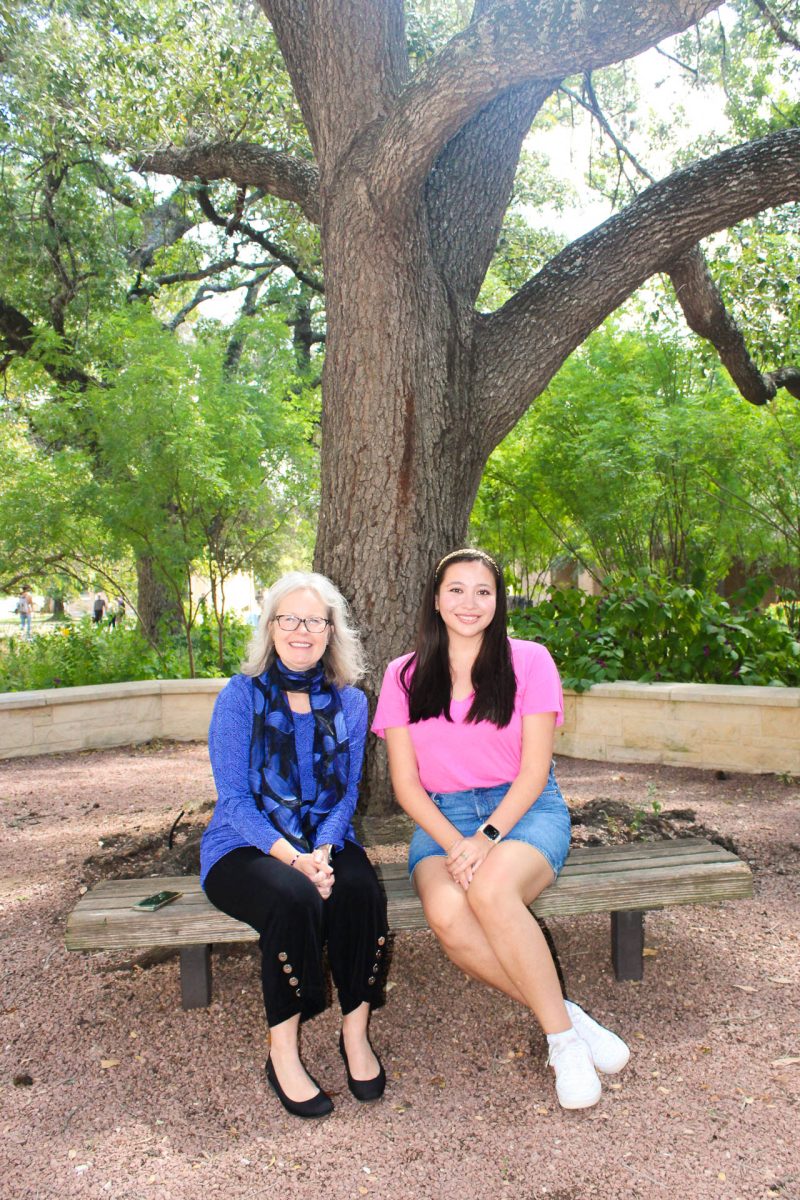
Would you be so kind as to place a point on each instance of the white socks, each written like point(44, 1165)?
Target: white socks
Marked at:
point(556, 1040)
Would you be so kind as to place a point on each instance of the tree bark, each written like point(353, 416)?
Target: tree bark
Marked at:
point(402, 463)
point(155, 605)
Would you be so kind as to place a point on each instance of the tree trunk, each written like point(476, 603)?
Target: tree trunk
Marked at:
point(402, 462)
point(154, 604)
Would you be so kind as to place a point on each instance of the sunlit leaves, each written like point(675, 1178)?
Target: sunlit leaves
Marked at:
point(640, 456)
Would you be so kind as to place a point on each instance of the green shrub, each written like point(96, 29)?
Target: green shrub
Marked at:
point(84, 653)
point(649, 630)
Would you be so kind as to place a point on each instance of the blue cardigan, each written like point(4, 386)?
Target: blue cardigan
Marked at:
point(236, 821)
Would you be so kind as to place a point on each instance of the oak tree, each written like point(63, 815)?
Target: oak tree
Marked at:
point(412, 172)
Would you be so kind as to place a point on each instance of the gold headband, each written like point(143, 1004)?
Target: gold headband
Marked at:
point(467, 552)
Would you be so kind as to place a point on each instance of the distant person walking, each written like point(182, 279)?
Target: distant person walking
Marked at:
point(117, 613)
point(99, 607)
point(25, 607)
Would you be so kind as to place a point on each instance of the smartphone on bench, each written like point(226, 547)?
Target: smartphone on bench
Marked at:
point(158, 900)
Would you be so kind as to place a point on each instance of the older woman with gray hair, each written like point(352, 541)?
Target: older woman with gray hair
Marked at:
point(287, 743)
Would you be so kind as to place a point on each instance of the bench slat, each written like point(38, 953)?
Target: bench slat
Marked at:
point(595, 879)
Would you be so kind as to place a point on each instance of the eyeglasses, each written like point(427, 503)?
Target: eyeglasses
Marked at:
point(288, 623)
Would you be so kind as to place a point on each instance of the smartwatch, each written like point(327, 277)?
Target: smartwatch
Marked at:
point(491, 832)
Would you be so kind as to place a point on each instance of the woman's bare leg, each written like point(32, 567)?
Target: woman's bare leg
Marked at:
point(465, 941)
point(360, 1056)
point(472, 942)
point(284, 1052)
point(505, 884)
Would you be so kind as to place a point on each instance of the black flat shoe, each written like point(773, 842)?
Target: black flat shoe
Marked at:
point(363, 1089)
point(318, 1106)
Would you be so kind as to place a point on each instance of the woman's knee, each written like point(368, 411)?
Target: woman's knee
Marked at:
point(300, 896)
point(356, 884)
point(445, 908)
point(492, 896)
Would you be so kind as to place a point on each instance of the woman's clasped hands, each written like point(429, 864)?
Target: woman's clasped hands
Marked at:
point(317, 868)
point(465, 856)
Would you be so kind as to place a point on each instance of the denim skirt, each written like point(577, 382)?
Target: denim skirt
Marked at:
point(545, 825)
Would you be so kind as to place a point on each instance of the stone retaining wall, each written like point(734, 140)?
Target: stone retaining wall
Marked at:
point(732, 728)
point(110, 714)
point(754, 729)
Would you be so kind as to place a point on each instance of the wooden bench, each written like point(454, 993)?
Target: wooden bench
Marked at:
point(625, 881)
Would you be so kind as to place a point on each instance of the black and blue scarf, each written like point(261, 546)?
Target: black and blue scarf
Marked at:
point(274, 769)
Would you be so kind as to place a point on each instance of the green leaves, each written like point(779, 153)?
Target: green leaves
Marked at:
point(82, 654)
point(649, 631)
point(639, 456)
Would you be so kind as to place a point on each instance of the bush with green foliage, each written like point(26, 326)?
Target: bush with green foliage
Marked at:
point(83, 653)
point(651, 631)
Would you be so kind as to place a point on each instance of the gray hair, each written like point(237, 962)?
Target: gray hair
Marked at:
point(343, 660)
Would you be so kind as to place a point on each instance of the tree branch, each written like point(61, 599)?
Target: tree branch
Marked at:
point(693, 71)
point(208, 290)
point(162, 226)
point(9, 583)
point(255, 235)
point(355, 52)
point(469, 187)
point(592, 105)
point(781, 34)
point(140, 290)
point(244, 163)
point(705, 312)
point(509, 44)
point(235, 347)
point(18, 340)
point(588, 280)
point(290, 23)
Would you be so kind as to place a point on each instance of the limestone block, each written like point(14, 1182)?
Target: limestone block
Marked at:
point(602, 716)
point(732, 694)
point(645, 732)
point(781, 723)
point(571, 702)
point(578, 746)
point(80, 735)
point(695, 758)
point(117, 710)
point(746, 757)
point(623, 752)
point(186, 717)
point(738, 719)
point(16, 733)
point(626, 689)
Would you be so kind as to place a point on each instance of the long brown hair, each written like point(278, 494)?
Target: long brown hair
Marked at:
point(426, 676)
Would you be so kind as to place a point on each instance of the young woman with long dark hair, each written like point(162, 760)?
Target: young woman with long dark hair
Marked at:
point(469, 720)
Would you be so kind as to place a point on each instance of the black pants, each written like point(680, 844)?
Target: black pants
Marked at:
point(294, 922)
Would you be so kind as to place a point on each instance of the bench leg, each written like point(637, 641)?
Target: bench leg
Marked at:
point(627, 943)
point(195, 976)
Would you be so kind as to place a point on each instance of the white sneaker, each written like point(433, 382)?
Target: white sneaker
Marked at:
point(609, 1052)
point(577, 1085)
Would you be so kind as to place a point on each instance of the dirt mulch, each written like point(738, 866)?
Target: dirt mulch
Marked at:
point(109, 1089)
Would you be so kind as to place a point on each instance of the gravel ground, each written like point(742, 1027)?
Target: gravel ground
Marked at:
point(110, 1089)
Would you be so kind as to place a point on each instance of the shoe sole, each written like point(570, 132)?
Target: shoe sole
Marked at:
point(578, 1107)
point(612, 1070)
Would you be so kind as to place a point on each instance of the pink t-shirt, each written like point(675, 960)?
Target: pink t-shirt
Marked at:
point(453, 756)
